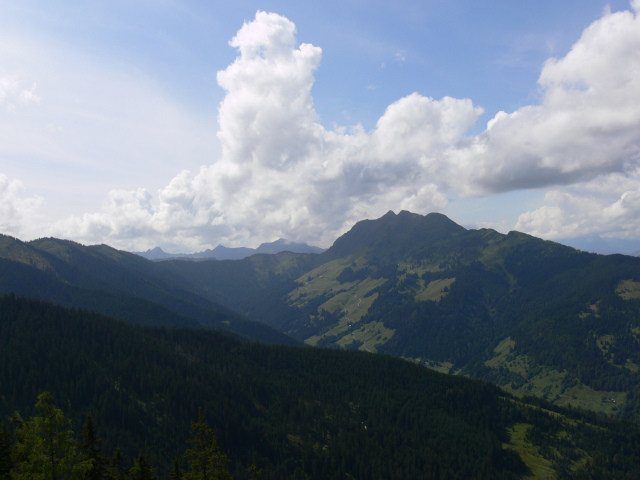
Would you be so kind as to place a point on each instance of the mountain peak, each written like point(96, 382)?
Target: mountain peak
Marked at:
point(392, 232)
point(282, 245)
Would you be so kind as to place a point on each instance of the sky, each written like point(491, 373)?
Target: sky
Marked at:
point(189, 124)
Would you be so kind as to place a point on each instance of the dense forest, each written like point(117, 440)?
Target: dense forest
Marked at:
point(46, 448)
point(118, 284)
point(424, 288)
point(141, 346)
point(292, 412)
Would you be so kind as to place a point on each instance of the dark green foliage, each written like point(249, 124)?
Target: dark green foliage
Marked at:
point(141, 470)
point(289, 411)
point(119, 284)
point(555, 302)
point(115, 467)
point(206, 458)
point(176, 471)
point(349, 275)
point(90, 446)
point(5, 452)
point(45, 449)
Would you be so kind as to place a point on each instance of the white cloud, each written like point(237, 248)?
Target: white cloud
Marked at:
point(11, 90)
point(588, 123)
point(609, 206)
point(281, 173)
point(18, 213)
point(7, 85)
point(30, 96)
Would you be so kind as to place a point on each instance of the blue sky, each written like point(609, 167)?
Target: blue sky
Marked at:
point(191, 124)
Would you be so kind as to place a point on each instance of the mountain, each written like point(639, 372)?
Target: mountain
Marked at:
point(237, 253)
point(604, 246)
point(294, 412)
point(533, 316)
point(115, 283)
point(283, 245)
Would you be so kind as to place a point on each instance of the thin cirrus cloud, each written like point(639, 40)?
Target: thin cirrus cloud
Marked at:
point(282, 174)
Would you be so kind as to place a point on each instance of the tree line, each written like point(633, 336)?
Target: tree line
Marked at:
point(43, 447)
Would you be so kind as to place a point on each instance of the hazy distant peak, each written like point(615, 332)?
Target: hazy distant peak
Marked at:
point(234, 253)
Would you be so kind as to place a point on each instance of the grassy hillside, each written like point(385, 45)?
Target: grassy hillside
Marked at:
point(424, 288)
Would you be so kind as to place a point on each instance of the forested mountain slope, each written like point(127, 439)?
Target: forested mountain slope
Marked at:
point(116, 283)
point(531, 315)
point(295, 412)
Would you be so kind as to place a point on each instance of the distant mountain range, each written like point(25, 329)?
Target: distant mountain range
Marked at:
point(229, 253)
point(118, 284)
point(604, 246)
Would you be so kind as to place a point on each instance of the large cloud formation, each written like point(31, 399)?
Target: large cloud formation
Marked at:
point(282, 174)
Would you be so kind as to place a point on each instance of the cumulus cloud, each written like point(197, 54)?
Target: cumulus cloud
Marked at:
point(609, 206)
point(18, 213)
point(587, 124)
point(283, 174)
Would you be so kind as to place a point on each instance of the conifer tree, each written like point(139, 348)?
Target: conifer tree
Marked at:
point(176, 472)
point(254, 472)
point(141, 469)
point(207, 460)
point(90, 447)
point(116, 470)
point(5, 452)
point(45, 448)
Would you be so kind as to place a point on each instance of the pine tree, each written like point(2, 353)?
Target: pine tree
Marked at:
point(5, 452)
point(90, 448)
point(45, 449)
point(207, 460)
point(141, 469)
point(116, 469)
point(176, 472)
point(254, 472)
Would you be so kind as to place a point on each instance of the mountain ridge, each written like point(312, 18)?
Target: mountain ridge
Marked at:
point(116, 283)
point(531, 315)
point(425, 288)
point(233, 253)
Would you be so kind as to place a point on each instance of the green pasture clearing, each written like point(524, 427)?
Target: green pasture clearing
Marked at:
point(584, 397)
point(353, 303)
point(372, 335)
point(539, 466)
point(550, 383)
point(319, 281)
point(435, 290)
point(628, 289)
point(348, 330)
point(442, 367)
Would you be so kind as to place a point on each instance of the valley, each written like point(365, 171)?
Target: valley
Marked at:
point(556, 329)
point(427, 290)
